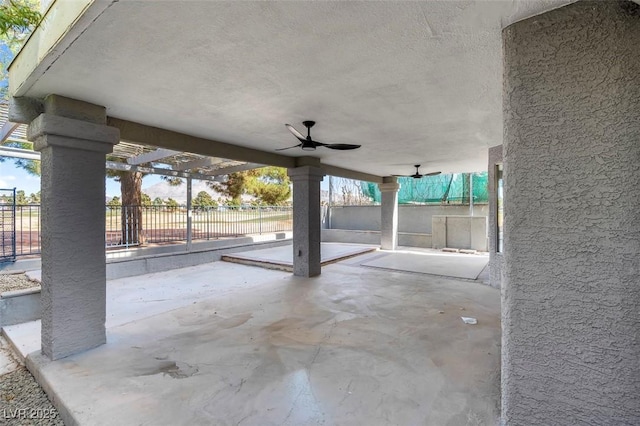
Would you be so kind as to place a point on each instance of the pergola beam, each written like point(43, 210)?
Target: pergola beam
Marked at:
point(7, 129)
point(232, 169)
point(199, 163)
point(112, 165)
point(27, 154)
point(156, 155)
point(6, 151)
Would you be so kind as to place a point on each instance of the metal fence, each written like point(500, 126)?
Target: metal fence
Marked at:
point(128, 226)
point(7, 227)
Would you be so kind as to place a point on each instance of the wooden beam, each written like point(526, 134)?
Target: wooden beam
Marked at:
point(148, 157)
point(147, 135)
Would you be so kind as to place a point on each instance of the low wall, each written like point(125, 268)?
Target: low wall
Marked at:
point(411, 218)
point(373, 237)
point(462, 232)
point(349, 236)
point(19, 306)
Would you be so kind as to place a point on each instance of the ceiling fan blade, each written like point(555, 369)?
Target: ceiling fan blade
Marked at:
point(296, 133)
point(289, 147)
point(431, 174)
point(341, 146)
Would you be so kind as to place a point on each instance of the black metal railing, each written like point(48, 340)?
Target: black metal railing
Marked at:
point(128, 226)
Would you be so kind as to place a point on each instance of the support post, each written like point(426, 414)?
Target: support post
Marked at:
point(496, 258)
point(389, 213)
point(470, 194)
point(570, 296)
point(306, 220)
point(189, 213)
point(330, 202)
point(73, 139)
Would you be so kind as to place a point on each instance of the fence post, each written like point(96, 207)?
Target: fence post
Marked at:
point(13, 243)
point(260, 221)
point(189, 236)
point(126, 226)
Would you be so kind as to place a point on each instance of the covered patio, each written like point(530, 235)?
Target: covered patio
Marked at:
point(545, 91)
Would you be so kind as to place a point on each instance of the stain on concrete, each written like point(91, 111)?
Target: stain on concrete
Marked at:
point(173, 369)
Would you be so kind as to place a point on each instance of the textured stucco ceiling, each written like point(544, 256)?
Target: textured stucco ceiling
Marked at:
point(413, 82)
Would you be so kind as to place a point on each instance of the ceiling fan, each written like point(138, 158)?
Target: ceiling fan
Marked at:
point(417, 174)
point(308, 144)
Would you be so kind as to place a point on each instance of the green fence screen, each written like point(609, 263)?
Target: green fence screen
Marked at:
point(448, 189)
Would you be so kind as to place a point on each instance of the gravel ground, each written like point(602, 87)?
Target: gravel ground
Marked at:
point(9, 282)
point(22, 401)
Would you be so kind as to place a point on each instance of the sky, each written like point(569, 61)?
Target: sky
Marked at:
point(15, 177)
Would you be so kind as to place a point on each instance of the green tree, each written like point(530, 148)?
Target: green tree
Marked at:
point(270, 185)
point(17, 19)
point(145, 200)
point(203, 201)
point(21, 198)
point(171, 203)
point(233, 188)
point(158, 201)
point(34, 198)
point(114, 202)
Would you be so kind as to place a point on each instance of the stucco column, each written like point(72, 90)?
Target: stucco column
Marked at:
point(571, 293)
point(73, 139)
point(389, 213)
point(306, 220)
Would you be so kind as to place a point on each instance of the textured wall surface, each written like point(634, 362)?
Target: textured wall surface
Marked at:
point(411, 218)
point(496, 260)
point(571, 295)
point(73, 263)
point(306, 220)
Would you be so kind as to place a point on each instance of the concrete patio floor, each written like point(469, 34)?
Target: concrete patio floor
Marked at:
point(229, 344)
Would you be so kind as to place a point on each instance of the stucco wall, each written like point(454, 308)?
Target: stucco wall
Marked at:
point(571, 293)
point(411, 218)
